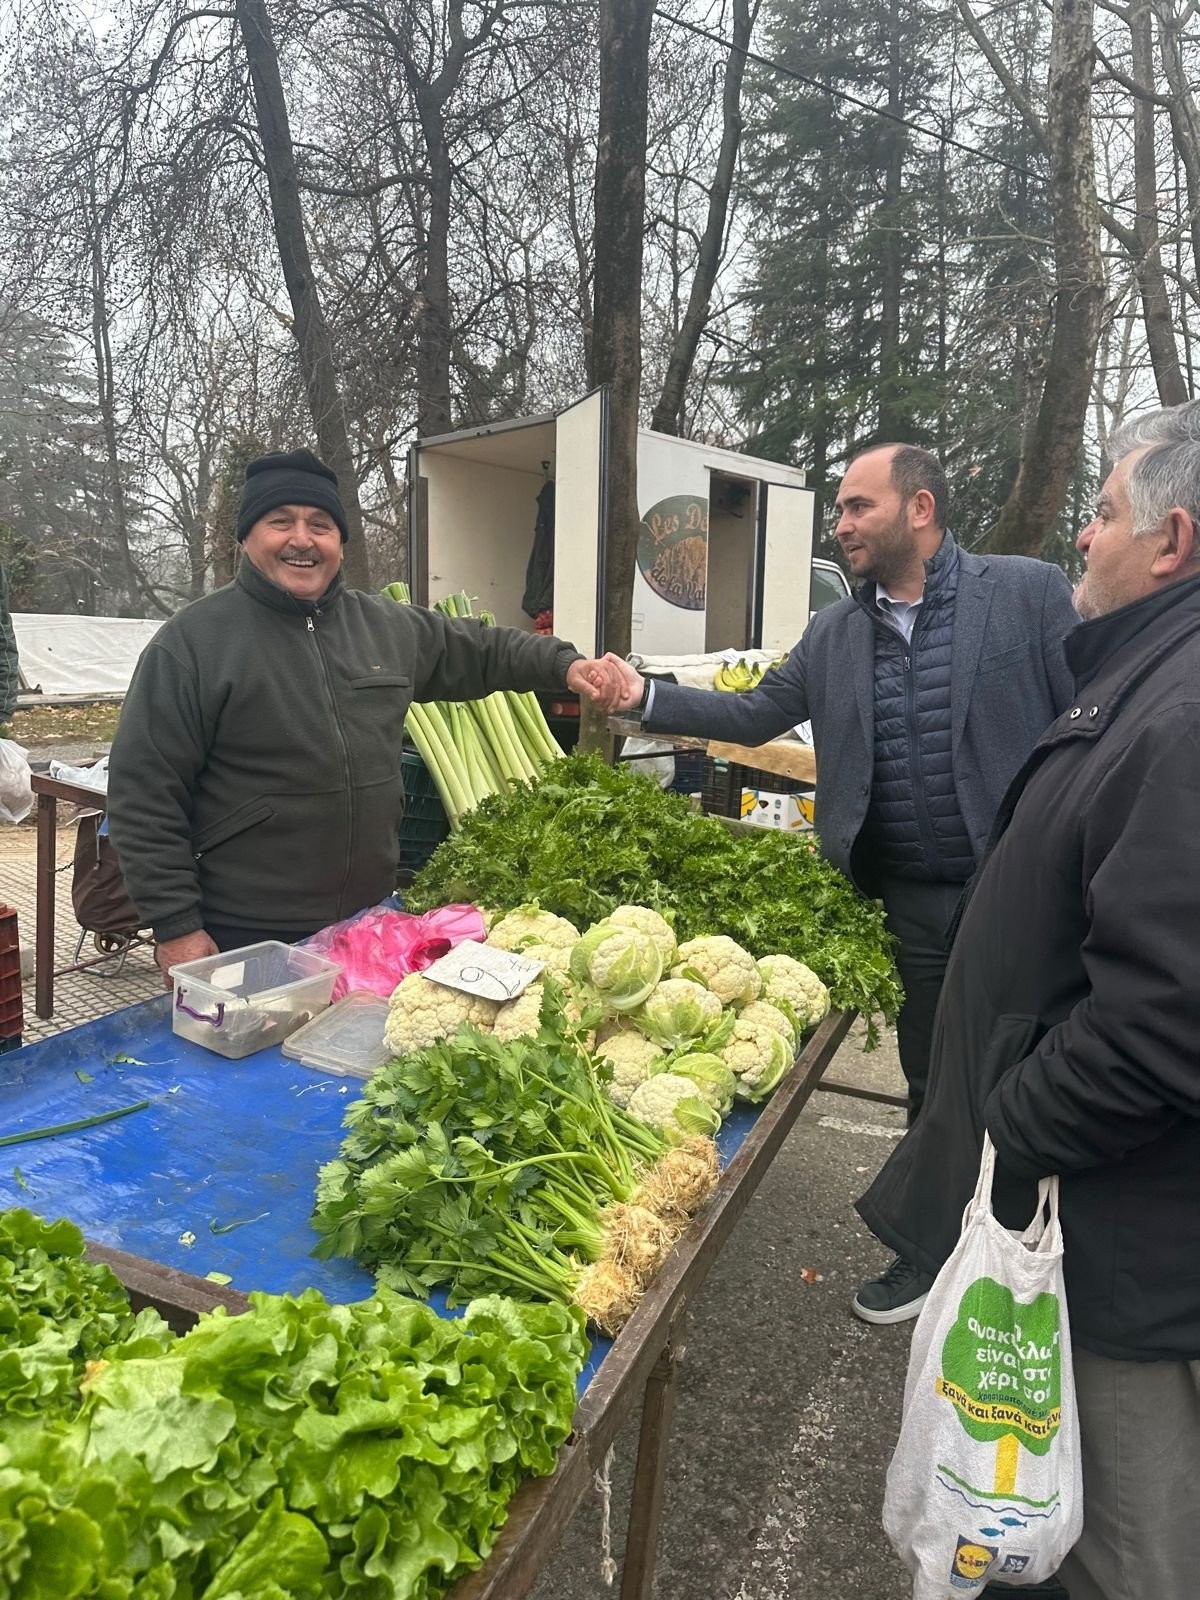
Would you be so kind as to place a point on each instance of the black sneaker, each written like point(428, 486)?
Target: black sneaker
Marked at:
point(896, 1296)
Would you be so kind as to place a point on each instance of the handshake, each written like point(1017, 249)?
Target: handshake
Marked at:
point(616, 686)
point(609, 682)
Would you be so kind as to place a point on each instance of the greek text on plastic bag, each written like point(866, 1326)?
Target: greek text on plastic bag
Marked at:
point(379, 947)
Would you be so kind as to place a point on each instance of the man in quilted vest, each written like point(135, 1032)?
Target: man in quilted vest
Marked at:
point(926, 691)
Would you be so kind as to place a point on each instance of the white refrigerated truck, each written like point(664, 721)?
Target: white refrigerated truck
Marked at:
point(725, 548)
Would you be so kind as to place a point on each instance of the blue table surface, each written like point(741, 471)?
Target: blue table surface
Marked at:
point(221, 1142)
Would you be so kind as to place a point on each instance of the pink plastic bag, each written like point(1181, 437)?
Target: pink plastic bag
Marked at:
point(379, 947)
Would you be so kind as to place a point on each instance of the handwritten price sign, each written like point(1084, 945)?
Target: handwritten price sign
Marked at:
point(481, 970)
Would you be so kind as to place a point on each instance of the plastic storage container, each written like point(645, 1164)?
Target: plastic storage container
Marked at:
point(346, 1040)
point(244, 1000)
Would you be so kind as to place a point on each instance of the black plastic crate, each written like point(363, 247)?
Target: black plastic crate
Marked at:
point(425, 823)
point(721, 795)
point(691, 770)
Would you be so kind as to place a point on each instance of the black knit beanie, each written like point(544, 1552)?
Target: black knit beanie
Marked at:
point(289, 478)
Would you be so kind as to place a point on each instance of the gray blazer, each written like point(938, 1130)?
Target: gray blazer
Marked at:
point(1009, 681)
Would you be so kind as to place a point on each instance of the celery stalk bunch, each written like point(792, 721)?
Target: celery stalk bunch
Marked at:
point(476, 748)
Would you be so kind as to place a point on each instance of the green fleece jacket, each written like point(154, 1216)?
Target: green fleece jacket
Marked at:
point(254, 779)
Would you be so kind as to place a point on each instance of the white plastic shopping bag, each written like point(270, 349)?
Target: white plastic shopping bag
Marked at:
point(986, 1483)
point(16, 796)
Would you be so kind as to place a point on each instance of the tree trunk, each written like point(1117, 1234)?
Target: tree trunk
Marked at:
point(1156, 307)
point(892, 420)
point(129, 586)
point(317, 366)
point(668, 413)
point(1027, 520)
point(197, 526)
point(1185, 124)
point(617, 300)
point(433, 325)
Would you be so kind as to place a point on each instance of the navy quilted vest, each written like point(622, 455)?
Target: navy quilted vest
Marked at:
point(914, 828)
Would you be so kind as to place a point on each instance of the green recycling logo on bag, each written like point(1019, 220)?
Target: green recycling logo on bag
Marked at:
point(1002, 1373)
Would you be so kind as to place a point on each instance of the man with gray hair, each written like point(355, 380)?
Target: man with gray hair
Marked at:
point(1068, 1022)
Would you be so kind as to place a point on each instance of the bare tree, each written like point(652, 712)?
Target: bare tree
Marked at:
point(1051, 455)
point(312, 333)
point(668, 413)
point(616, 347)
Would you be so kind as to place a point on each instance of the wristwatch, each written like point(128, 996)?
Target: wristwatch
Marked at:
point(642, 703)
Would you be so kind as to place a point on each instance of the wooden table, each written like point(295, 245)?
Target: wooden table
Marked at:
point(49, 792)
point(787, 758)
point(642, 1367)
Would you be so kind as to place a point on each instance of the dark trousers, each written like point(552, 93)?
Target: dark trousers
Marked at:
point(226, 937)
point(919, 916)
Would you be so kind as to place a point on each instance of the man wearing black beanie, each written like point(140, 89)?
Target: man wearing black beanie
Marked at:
point(254, 781)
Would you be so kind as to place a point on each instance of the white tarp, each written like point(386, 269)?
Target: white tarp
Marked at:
point(79, 655)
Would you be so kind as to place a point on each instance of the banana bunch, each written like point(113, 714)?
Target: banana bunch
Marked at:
point(737, 676)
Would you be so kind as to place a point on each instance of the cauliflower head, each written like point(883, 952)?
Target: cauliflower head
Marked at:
point(675, 1105)
point(632, 1059)
point(537, 934)
point(758, 1056)
point(784, 978)
point(611, 1026)
point(678, 1011)
point(769, 1014)
point(710, 1075)
point(619, 966)
point(720, 964)
point(520, 1018)
point(527, 925)
point(649, 922)
point(420, 1012)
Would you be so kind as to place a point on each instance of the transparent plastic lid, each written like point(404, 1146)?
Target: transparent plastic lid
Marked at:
point(347, 1039)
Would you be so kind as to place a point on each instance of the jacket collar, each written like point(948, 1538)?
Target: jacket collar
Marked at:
point(1091, 644)
point(259, 587)
point(937, 569)
point(1115, 654)
point(1111, 655)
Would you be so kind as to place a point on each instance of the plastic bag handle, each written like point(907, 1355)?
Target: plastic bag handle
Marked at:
point(1043, 1226)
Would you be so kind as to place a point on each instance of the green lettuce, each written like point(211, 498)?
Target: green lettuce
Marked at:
point(299, 1451)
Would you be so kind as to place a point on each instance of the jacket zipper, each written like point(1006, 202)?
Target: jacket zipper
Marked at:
point(341, 735)
point(924, 824)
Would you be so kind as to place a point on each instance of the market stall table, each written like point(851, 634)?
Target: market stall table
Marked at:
point(787, 758)
point(217, 1173)
point(49, 792)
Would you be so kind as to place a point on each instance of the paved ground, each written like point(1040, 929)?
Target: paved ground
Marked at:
point(78, 996)
point(788, 1406)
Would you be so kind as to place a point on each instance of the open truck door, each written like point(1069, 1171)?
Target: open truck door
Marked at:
point(580, 521)
point(785, 542)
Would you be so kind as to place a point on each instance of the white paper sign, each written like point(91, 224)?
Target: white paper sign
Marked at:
point(483, 970)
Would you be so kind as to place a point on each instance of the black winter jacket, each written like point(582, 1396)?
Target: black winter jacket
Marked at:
point(1069, 1022)
point(255, 774)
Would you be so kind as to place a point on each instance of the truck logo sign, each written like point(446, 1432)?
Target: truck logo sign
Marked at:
point(673, 550)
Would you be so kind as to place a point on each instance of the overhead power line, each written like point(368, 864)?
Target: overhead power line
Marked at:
point(852, 99)
point(935, 134)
